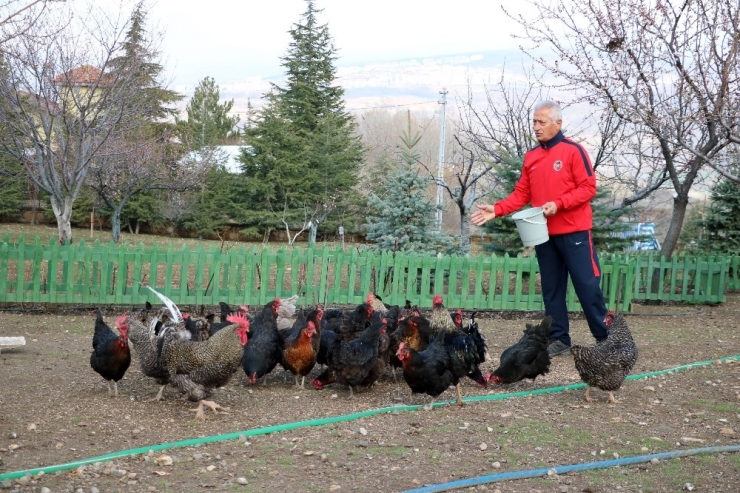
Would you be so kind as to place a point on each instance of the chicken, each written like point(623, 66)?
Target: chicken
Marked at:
point(300, 345)
point(428, 371)
point(146, 334)
point(199, 328)
point(262, 353)
point(377, 303)
point(467, 350)
point(111, 355)
point(354, 362)
point(457, 319)
point(527, 358)
point(286, 313)
point(606, 364)
point(414, 332)
point(441, 318)
point(351, 323)
point(226, 310)
point(198, 367)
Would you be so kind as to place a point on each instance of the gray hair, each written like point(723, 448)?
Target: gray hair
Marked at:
point(556, 112)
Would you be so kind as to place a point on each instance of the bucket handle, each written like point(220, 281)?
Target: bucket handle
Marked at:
point(526, 220)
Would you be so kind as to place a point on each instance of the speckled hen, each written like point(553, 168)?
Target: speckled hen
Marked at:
point(606, 364)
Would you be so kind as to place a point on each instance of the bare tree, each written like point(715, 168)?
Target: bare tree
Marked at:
point(667, 68)
point(486, 136)
point(126, 166)
point(19, 17)
point(61, 104)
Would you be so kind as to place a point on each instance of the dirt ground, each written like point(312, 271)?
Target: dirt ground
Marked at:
point(54, 410)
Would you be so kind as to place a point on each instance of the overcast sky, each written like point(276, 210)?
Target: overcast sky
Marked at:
point(237, 39)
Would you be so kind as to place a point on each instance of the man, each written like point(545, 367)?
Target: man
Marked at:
point(557, 176)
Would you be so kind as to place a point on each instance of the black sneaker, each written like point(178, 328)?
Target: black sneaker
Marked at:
point(558, 348)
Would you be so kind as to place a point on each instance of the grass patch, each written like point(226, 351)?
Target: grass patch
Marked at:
point(722, 407)
point(537, 434)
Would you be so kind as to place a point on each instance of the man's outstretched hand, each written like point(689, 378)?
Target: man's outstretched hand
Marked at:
point(484, 213)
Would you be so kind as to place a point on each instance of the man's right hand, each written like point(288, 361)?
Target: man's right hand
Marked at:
point(484, 213)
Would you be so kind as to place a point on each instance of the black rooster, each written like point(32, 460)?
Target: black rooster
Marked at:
point(528, 358)
point(111, 354)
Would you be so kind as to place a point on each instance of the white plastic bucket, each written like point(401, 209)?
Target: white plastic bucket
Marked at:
point(532, 226)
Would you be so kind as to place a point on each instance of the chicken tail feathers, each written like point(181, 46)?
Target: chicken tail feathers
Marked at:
point(176, 315)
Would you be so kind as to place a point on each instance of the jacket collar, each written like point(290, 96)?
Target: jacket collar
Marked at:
point(554, 141)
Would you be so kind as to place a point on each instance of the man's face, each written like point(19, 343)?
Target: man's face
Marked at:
point(544, 126)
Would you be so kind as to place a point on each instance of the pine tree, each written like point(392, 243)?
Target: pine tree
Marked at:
point(208, 122)
point(154, 104)
point(304, 155)
point(214, 206)
point(138, 157)
point(608, 221)
point(13, 183)
point(721, 224)
point(502, 234)
point(142, 208)
point(404, 218)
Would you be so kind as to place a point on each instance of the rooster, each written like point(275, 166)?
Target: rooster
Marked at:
point(147, 330)
point(606, 364)
point(528, 358)
point(197, 368)
point(467, 350)
point(441, 320)
point(262, 353)
point(111, 354)
point(428, 371)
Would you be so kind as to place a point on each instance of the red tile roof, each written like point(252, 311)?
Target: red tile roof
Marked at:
point(81, 76)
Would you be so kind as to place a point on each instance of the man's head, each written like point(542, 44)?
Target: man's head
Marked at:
point(547, 120)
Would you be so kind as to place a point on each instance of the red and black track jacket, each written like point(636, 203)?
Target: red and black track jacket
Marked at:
point(558, 170)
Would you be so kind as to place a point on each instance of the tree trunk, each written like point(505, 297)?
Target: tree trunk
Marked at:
point(138, 226)
point(312, 229)
point(671, 239)
point(464, 233)
point(63, 213)
point(674, 230)
point(115, 224)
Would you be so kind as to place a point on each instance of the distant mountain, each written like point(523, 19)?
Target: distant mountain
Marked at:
point(397, 82)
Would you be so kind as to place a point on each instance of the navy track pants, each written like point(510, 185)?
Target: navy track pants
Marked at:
point(571, 255)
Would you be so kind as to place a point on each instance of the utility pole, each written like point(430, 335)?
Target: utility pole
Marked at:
point(441, 162)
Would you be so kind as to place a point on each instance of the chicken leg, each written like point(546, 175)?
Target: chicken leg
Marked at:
point(430, 406)
point(159, 396)
point(612, 400)
point(112, 388)
point(459, 396)
point(200, 415)
point(587, 397)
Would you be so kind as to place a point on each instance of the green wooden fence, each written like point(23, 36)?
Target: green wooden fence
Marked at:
point(114, 274)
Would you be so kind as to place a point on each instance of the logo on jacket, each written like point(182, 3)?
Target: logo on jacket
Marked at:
point(557, 165)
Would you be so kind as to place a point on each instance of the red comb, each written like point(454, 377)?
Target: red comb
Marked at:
point(238, 318)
